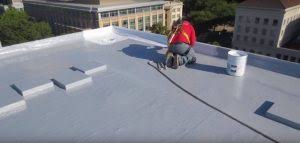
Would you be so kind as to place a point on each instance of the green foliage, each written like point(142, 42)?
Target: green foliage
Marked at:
point(15, 27)
point(209, 13)
point(159, 29)
point(216, 43)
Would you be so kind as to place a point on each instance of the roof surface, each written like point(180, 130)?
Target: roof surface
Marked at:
point(95, 7)
point(274, 4)
point(132, 102)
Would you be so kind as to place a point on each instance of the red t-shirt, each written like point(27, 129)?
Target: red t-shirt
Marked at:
point(179, 37)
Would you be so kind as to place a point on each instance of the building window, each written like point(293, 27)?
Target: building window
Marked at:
point(113, 13)
point(257, 20)
point(248, 19)
point(139, 10)
point(132, 23)
point(239, 28)
point(264, 32)
point(275, 22)
point(104, 14)
point(293, 59)
point(241, 18)
point(266, 21)
point(272, 33)
point(115, 23)
point(245, 38)
point(178, 9)
point(106, 24)
point(255, 30)
point(156, 7)
point(271, 43)
point(140, 23)
point(146, 9)
point(178, 16)
point(125, 23)
point(278, 56)
point(173, 10)
point(147, 22)
point(268, 55)
point(123, 12)
point(247, 30)
point(154, 19)
point(160, 18)
point(238, 37)
point(262, 41)
point(131, 11)
point(173, 16)
point(282, 32)
point(285, 57)
point(253, 40)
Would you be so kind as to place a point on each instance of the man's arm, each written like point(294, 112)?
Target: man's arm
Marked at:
point(193, 36)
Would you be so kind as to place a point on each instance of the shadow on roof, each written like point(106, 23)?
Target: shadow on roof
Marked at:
point(144, 52)
point(207, 68)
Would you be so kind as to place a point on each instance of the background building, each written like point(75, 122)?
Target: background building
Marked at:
point(64, 17)
point(139, 15)
point(266, 27)
point(74, 15)
point(174, 11)
point(5, 4)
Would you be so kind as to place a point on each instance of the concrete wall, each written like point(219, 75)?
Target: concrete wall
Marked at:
point(290, 25)
point(246, 19)
point(268, 37)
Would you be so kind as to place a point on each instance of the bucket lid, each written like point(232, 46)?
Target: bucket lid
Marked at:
point(237, 53)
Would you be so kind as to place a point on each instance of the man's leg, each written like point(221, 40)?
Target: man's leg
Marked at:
point(190, 57)
point(169, 59)
point(186, 53)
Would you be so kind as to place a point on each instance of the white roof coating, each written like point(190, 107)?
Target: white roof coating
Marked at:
point(95, 7)
point(132, 102)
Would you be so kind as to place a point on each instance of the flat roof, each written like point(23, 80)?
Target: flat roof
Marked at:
point(94, 7)
point(273, 4)
point(129, 101)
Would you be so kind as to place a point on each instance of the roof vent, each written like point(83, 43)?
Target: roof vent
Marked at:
point(69, 79)
point(90, 68)
point(10, 101)
point(32, 86)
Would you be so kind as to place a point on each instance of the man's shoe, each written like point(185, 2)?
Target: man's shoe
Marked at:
point(169, 59)
point(176, 61)
point(192, 61)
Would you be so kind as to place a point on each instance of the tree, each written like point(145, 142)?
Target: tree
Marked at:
point(209, 13)
point(159, 29)
point(16, 27)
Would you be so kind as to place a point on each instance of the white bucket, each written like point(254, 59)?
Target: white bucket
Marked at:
point(236, 62)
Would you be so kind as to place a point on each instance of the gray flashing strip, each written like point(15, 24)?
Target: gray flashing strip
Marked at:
point(10, 101)
point(90, 68)
point(263, 111)
point(213, 107)
point(69, 80)
point(32, 87)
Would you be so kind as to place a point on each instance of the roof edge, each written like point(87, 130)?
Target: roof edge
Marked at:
point(263, 62)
